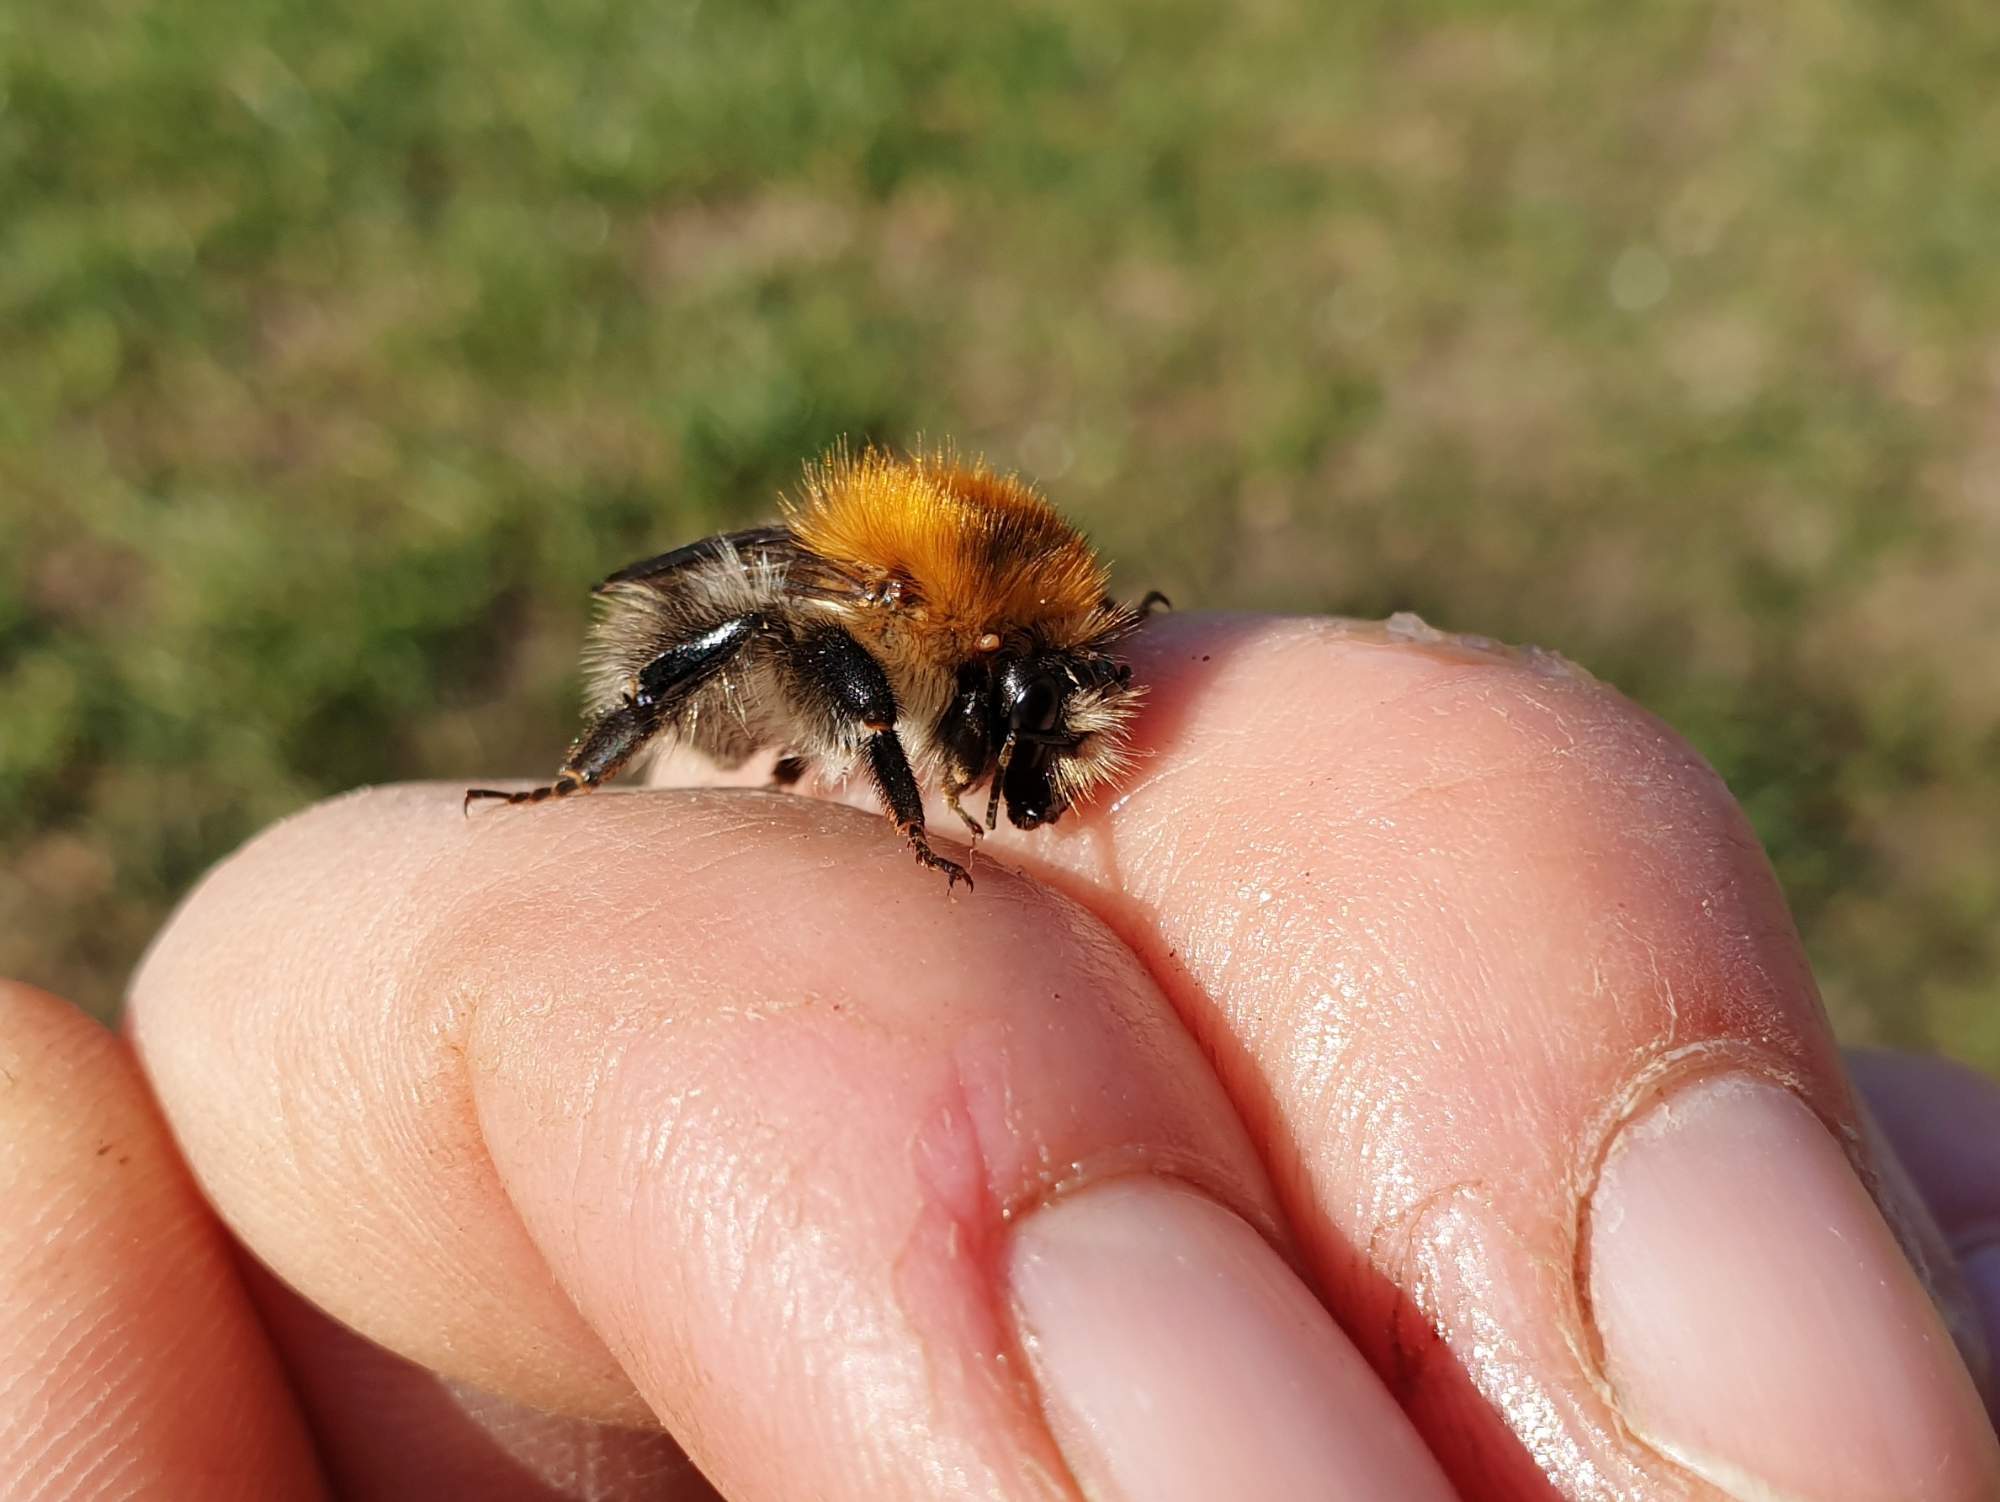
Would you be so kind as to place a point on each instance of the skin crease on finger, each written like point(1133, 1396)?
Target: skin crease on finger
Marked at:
point(1446, 915)
point(705, 1154)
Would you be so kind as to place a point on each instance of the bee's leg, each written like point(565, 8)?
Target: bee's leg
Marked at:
point(952, 789)
point(789, 770)
point(838, 671)
point(906, 803)
point(598, 753)
point(663, 686)
point(1000, 765)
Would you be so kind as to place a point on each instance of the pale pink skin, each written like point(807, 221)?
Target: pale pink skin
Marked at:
point(1410, 1074)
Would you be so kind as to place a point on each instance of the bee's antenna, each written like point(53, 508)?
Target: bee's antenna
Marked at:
point(999, 776)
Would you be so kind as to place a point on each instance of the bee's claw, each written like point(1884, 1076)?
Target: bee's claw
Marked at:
point(474, 794)
point(563, 786)
point(954, 873)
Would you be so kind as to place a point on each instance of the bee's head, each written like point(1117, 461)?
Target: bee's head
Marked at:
point(1058, 718)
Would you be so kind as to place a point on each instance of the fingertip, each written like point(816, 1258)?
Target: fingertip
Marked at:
point(41, 1035)
point(130, 1350)
point(300, 1020)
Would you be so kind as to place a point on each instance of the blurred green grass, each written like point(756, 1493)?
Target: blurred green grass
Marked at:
point(343, 344)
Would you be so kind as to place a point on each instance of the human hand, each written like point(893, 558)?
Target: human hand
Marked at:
point(1412, 1074)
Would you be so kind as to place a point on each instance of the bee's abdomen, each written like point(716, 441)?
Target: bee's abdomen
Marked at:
point(662, 606)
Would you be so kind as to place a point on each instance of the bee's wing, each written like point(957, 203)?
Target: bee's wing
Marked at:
point(806, 573)
point(748, 544)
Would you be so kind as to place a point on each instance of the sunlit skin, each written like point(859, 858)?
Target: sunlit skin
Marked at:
point(1292, 1082)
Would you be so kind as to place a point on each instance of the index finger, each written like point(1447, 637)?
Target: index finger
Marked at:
point(717, 1094)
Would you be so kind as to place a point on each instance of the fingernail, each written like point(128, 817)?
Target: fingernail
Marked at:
point(1758, 1323)
point(1179, 1359)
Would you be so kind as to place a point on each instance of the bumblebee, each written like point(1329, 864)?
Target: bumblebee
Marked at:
point(935, 622)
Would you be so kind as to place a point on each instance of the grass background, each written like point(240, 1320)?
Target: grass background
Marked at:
point(344, 342)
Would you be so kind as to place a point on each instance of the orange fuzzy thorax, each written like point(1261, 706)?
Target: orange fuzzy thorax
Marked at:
point(982, 551)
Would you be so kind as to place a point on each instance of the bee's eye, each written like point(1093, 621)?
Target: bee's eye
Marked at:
point(1038, 705)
